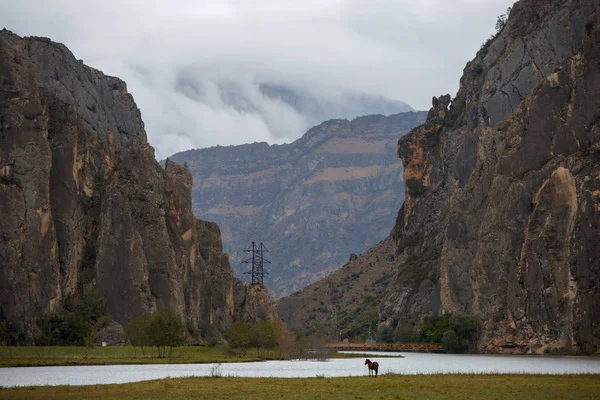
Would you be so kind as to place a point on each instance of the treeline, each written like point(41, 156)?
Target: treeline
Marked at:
point(458, 332)
point(161, 330)
point(76, 323)
point(274, 335)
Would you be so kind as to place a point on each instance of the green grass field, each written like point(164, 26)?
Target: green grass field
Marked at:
point(32, 356)
point(384, 387)
point(28, 356)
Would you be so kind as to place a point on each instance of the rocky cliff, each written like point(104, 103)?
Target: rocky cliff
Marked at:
point(312, 202)
point(84, 203)
point(502, 208)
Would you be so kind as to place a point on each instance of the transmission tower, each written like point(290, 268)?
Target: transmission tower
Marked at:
point(257, 259)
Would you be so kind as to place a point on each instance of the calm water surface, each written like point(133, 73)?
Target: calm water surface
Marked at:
point(413, 363)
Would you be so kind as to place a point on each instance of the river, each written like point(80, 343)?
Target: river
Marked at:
point(412, 363)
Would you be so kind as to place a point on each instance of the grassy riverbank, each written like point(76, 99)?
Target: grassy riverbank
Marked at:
point(29, 356)
point(37, 356)
point(385, 387)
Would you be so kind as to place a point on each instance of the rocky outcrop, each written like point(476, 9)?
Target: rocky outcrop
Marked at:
point(84, 203)
point(312, 202)
point(501, 215)
point(253, 303)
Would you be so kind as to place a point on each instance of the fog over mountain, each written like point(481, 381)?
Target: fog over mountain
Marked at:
point(203, 73)
point(284, 109)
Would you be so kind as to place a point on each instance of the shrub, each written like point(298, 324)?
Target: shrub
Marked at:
point(63, 328)
point(407, 334)
point(165, 329)
point(90, 341)
point(104, 321)
point(385, 334)
point(263, 335)
point(467, 327)
point(502, 19)
point(450, 342)
point(458, 332)
point(239, 336)
point(92, 305)
point(216, 371)
point(137, 333)
point(433, 328)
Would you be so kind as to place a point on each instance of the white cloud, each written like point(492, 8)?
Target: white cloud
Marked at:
point(406, 50)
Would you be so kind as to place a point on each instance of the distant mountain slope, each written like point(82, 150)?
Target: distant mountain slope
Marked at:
point(344, 304)
point(332, 192)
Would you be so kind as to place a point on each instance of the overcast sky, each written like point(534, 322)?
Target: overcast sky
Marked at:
point(404, 50)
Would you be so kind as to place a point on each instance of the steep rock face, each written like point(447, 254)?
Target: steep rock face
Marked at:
point(85, 203)
point(501, 214)
point(253, 303)
point(312, 202)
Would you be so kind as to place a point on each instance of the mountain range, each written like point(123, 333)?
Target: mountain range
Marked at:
point(312, 202)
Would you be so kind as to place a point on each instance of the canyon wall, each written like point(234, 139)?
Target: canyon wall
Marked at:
point(84, 203)
point(502, 206)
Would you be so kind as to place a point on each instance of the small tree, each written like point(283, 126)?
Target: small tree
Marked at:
point(458, 332)
point(450, 342)
point(502, 19)
point(467, 327)
point(433, 328)
point(239, 336)
point(92, 305)
point(263, 336)
point(137, 333)
point(90, 340)
point(165, 329)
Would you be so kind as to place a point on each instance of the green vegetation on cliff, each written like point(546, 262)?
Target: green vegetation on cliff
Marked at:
point(75, 323)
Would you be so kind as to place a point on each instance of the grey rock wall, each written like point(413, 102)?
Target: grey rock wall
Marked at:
point(501, 215)
point(84, 202)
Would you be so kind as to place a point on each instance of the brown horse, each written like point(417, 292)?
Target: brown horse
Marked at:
point(373, 366)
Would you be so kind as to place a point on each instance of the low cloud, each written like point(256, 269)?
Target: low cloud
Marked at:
point(196, 68)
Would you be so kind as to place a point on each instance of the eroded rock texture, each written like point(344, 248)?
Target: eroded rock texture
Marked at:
point(502, 209)
point(85, 203)
point(312, 202)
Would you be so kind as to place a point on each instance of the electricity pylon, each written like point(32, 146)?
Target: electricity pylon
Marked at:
point(257, 259)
